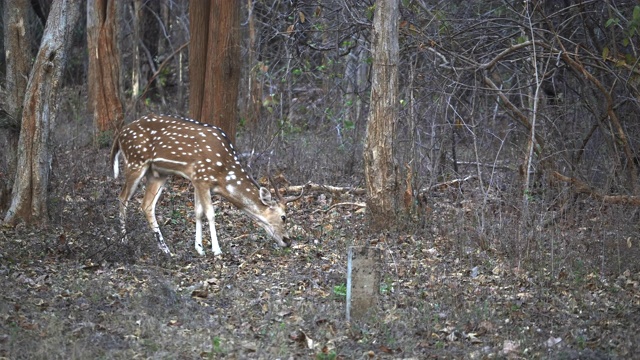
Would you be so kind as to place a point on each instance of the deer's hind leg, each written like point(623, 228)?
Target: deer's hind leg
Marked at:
point(132, 180)
point(155, 185)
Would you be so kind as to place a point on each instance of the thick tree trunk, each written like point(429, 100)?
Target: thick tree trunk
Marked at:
point(214, 68)
point(29, 197)
point(104, 65)
point(380, 172)
point(224, 51)
point(17, 42)
point(199, 33)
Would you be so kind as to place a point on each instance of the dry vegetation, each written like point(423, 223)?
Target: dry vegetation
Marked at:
point(566, 286)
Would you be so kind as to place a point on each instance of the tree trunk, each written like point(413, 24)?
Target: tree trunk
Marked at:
point(104, 65)
point(214, 63)
point(380, 172)
point(135, 66)
point(199, 33)
point(162, 45)
point(17, 42)
point(29, 197)
point(253, 104)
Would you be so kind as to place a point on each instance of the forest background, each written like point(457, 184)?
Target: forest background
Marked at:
point(512, 173)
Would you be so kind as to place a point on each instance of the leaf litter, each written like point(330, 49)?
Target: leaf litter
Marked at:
point(76, 290)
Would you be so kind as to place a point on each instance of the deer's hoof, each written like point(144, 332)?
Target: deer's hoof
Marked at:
point(200, 250)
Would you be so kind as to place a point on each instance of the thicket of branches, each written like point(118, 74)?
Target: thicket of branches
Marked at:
point(537, 98)
point(521, 95)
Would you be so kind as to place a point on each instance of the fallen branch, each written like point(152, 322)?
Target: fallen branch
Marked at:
point(336, 190)
point(448, 184)
point(355, 204)
point(489, 165)
point(582, 188)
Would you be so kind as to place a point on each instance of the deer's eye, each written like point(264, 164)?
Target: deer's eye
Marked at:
point(284, 218)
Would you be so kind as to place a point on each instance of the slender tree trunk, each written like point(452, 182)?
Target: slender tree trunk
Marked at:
point(135, 66)
point(150, 31)
point(380, 172)
point(253, 106)
point(164, 23)
point(29, 197)
point(104, 65)
point(214, 68)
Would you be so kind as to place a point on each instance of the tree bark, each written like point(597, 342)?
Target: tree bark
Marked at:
point(29, 197)
point(136, 77)
point(199, 33)
point(253, 105)
point(214, 63)
point(17, 42)
point(162, 46)
point(380, 172)
point(104, 65)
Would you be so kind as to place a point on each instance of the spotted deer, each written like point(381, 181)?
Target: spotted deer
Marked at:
point(157, 146)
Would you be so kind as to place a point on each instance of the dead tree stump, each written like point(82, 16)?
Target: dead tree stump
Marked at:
point(363, 281)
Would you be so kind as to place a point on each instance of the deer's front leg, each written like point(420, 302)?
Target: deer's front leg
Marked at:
point(204, 206)
point(215, 247)
point(211, 215)
point(155, 184)
point(199, 210)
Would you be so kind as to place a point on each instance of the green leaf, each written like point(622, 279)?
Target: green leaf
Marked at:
point(369, 12)
point(340, 290)
point(612, 21)
point(605, 53)
point(349, 125)
point(630, 59)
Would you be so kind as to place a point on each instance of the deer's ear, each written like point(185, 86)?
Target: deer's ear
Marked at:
point(265, 196)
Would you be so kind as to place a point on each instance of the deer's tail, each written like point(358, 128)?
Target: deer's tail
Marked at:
point(115, 151)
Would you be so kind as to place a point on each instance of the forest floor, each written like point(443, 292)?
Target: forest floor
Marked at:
point(72, 290)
